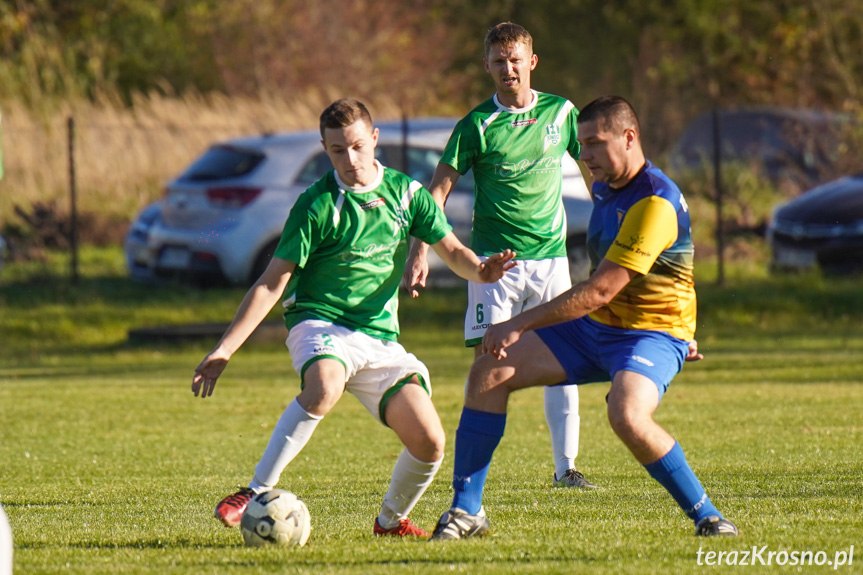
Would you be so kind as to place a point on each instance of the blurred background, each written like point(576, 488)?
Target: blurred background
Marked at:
point(151, 84)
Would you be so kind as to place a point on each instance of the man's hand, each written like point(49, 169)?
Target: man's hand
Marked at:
point(206, 374)
point(416, 272)
point(693, 354)
point(495, 266)
point(500, 336)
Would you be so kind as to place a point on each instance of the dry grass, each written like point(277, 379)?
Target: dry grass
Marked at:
point(123, 155)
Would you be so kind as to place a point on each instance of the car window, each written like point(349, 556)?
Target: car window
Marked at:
point(317, 166)
point(421, 164)
point(223, 162)
point(754, 135)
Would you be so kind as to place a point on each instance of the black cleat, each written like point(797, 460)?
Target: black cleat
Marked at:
point(458, 524)
point(572, 478)
point(714, 525)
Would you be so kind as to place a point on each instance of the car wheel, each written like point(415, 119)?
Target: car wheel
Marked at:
point(263, 260)
point(576, 253)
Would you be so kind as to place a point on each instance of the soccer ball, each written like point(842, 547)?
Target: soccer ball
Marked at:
point(276, 517)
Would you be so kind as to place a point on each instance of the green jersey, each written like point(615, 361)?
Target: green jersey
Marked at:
point(516, 160)
point(350, 247)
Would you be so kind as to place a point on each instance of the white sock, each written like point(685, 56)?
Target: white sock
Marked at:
point(411, 478)
point(292, 432)
point(561, 415)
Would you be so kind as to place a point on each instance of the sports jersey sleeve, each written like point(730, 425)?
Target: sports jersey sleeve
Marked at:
point(302, 232)
point(429, 223)
point(649, 227)
point(462, 147)
point(573, 147)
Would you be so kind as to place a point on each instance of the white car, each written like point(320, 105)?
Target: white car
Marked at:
point(221, 219)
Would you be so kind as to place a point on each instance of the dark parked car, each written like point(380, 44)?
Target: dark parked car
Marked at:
point(822, 228)
point(785, 145)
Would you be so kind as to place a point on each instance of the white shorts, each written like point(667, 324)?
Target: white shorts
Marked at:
point(527, 285)
point(374, 368)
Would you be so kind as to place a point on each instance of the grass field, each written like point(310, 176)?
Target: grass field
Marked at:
point(110, 465)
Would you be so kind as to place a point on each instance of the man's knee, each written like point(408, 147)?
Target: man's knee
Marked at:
point(433, 444)
point(411, 414)
point(319, 397)
point(627, 420)
point(487, 372)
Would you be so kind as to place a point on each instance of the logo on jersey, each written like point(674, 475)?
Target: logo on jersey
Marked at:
point(523, 123)
point(378, 252)
point(373, 204)
point(401, 221)
point(552, 134)
point(515, 169)
point(634, 243)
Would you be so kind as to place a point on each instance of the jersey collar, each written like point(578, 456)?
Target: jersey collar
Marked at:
point(375, 183)
point(527, 108)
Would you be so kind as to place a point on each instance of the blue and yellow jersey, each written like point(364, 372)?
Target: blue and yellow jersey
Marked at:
point(644, 227)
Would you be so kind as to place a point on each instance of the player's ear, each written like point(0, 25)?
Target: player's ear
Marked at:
point(534, 60)
point(631, 137)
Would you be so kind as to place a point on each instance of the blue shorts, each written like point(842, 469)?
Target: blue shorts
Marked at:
point(591, 352)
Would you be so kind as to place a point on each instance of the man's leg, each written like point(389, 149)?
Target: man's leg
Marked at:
point(324, 385)
point(561, 401)
point(411, 414)
point(529, 363)
point(631, 404)
point(564, 422)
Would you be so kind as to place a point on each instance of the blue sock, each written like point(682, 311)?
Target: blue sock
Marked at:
point(476, 438)
point(673, 472)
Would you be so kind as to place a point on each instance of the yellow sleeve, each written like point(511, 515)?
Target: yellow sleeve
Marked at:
point(648, 228)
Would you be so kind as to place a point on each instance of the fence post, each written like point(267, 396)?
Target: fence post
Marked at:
point(717, 182)
point(73, 227)
point(405, 156)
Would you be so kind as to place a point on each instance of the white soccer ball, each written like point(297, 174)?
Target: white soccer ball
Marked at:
point(277, 517)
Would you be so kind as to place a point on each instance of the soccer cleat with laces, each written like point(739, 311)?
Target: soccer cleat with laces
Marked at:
point(572, 478)
point(406, 527)
point(458, 524)
point(715, 525)
point(230, 509)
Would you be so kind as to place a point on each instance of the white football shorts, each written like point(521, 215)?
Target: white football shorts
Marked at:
point(529, 284)
point(374, 368)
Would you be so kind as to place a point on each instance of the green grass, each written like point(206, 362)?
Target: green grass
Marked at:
point(110, 465)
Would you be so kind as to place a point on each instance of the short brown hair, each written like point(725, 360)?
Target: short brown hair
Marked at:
point(612, 112)
point(342, 113)
point(507, 34)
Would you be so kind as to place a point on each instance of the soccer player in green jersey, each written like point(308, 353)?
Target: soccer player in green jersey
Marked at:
point(337, 267)
point(514, 143)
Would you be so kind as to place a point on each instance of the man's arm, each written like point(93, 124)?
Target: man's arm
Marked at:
point(581, 299)
point(257, 303)
point(464, 262)
point(417, 269)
